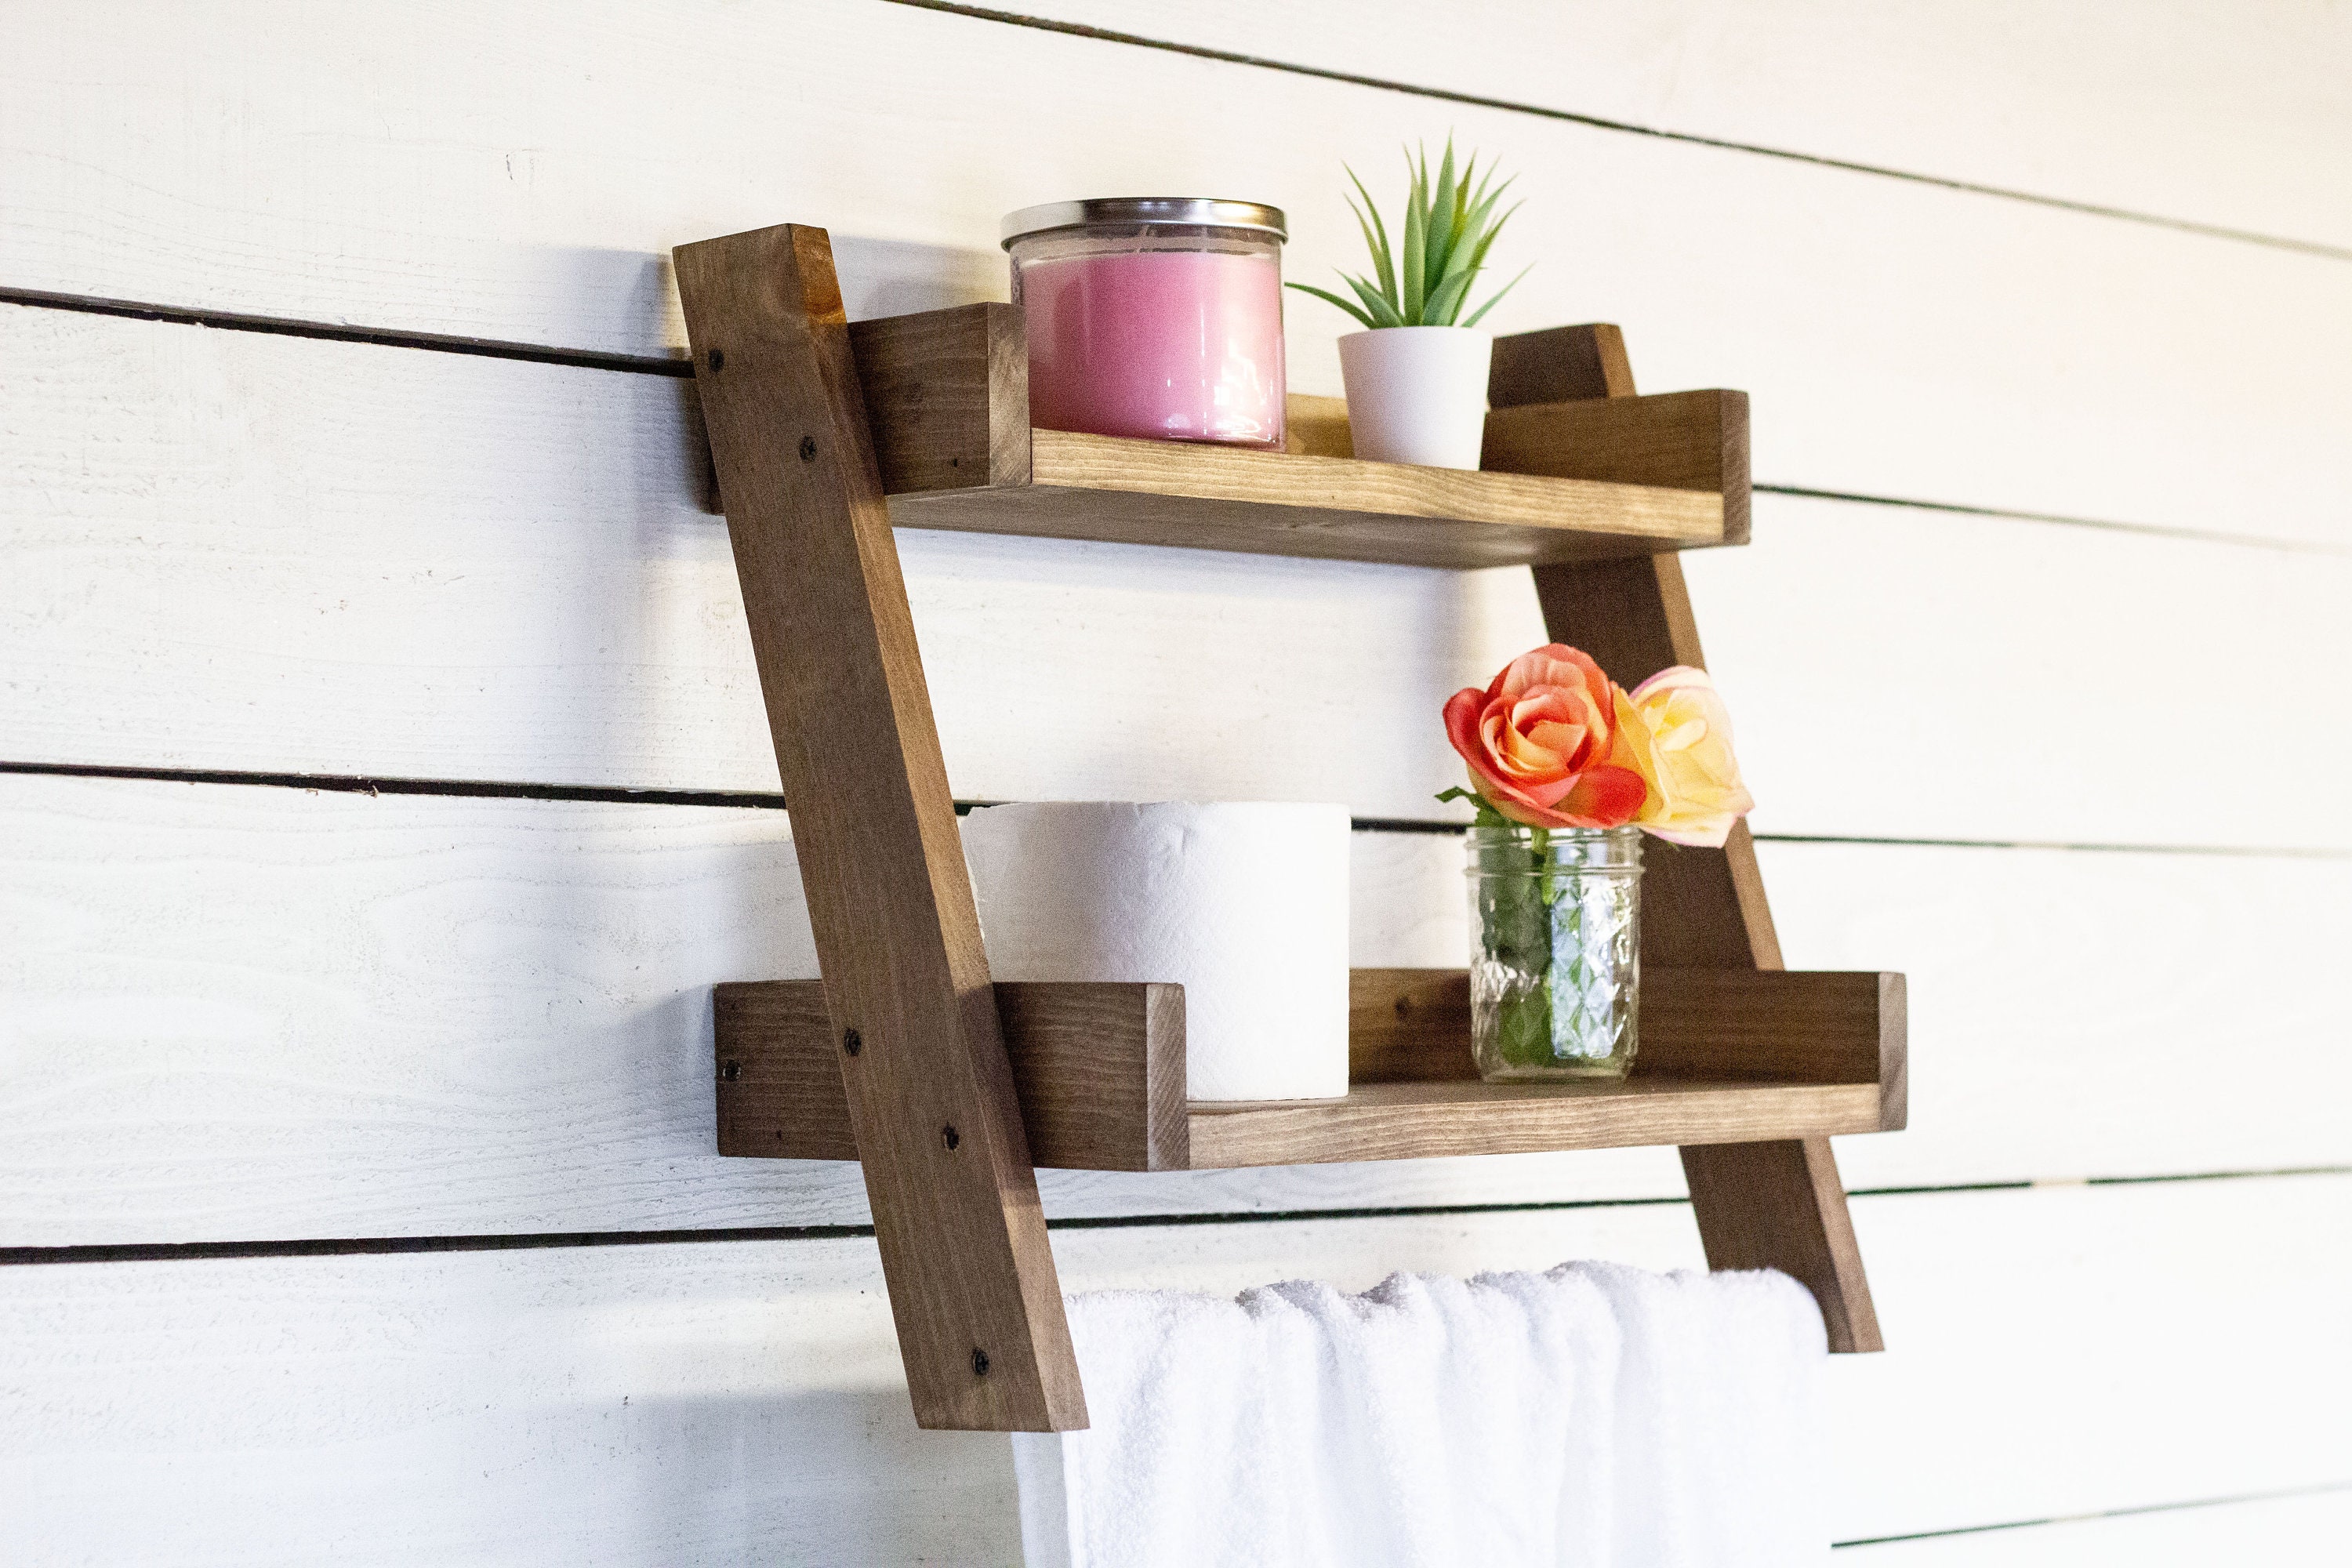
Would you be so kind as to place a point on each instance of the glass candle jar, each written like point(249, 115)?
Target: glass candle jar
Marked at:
point(1556, 950)
point(1157, 316)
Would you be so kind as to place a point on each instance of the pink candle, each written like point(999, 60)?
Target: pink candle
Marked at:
point(1158, 317)
point(1178, 345)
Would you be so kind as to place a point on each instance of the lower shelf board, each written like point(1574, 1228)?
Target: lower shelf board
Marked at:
point(1727, 1056)
point(1416, 1120)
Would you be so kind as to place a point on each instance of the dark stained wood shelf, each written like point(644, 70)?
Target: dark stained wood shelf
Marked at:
point(950, 1088)
point(947, 402)
point(1727, 1056)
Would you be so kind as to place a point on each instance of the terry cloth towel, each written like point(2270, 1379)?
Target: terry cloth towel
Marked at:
point(1595, 1415)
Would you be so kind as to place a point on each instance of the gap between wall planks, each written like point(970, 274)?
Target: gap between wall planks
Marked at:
point(1776, 1204)
point(897, 937)
point(956, 1212)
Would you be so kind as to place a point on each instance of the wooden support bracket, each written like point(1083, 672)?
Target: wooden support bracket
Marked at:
point(899, 1057)
point(930, 1094)
point(1775, 1204)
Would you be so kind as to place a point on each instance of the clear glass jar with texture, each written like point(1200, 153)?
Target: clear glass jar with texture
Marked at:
point(1158, 317)
point(1556, 952)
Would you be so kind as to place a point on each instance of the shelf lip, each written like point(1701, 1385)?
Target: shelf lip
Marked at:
point(1664, 517)
point(946, 395)
point(1728, 1056)
point(1114, 489)
point(1404, 1121)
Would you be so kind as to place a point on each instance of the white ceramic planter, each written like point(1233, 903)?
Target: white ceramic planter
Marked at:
point(1418, 394)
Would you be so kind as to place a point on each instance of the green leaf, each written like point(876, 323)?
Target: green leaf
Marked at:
point(1422, 275)
point(1443, 216)
point(1498, 294)
point(1416, 239)
point(1383, 310)
point(1326, 294)
point(1488, 815)
point(1444, 304)
point(1379, 252)
point(1384, 270)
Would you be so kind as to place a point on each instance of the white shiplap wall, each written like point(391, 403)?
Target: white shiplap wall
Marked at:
point(273, 1022)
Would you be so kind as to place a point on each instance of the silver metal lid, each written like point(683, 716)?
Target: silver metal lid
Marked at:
point(1197, 211)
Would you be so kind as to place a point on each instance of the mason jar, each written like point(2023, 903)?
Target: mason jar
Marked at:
point(1556, 952)
point(1158, 317)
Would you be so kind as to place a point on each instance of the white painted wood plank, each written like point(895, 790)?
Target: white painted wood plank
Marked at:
point(2090, 1014)
point(2067, 1351)
point(1903, 674)
point(1900, 339)
point(2277, 1533)
point(232, 551)
point(742, 1402)
point(2216, 112)
point(233, 1014)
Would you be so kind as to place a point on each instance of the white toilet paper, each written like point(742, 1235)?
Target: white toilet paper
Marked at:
point(1242, 903)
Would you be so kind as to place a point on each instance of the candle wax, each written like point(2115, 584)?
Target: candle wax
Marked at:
point(1170, 344)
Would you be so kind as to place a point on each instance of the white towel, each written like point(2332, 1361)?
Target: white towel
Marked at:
point(1596, 1417)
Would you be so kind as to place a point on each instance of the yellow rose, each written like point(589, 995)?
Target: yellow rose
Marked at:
point(1682, 748)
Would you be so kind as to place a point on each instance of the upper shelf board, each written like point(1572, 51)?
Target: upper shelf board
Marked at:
point(947, 399)
point(1727, 1056)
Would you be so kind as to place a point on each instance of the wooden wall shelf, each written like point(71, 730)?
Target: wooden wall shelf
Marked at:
point(949, 1089)
point(947, 402)
point(1726, 1058)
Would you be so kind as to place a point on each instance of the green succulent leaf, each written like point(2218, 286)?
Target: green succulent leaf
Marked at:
point(1423, 271)
point(1497, 296)
point(1378, 240)
point(1381, 309)
point(1326, 294)
point(1416, 239)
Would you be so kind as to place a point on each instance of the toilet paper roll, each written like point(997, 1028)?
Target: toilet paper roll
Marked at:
point(1242, 903)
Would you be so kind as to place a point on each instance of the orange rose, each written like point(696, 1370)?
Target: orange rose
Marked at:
point(1549, 742)
point(1681, 739)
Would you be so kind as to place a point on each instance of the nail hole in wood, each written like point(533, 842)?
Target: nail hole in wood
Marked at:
point(950, 1136)
point(717, 359)
point(850, 1042)
point(808, 448)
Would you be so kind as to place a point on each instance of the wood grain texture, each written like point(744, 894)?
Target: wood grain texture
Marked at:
point(951, 391)
point(1779, 1204)
point(1318, 425)
point(1425, 1120)
point(930, 1094)
point(1686, 440)
point(1203, 496)
point(1099, 1069)
point(946, 396)
point(651, 1405)
point(1413, 1026)
point(324, 557)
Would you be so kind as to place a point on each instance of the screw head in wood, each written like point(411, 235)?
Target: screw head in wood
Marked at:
point(808, 448)
point(978, 1362)
point(950, 1136)
point(717, 359)
point(731, 1071)
point(850, 1042)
